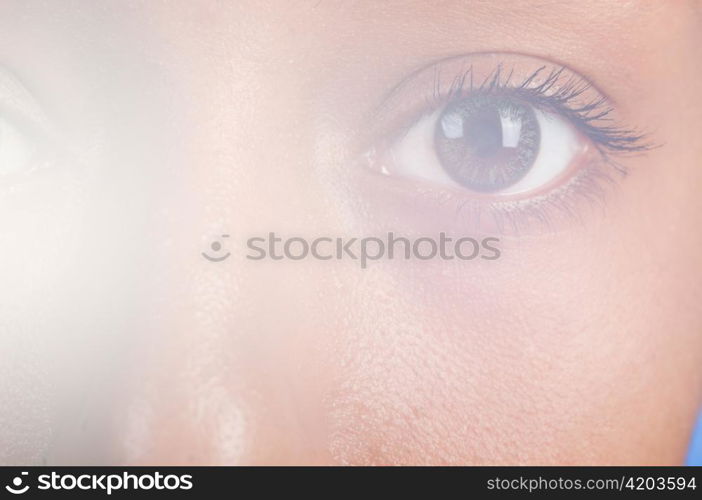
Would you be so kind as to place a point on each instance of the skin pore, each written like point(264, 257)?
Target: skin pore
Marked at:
point(172, 123)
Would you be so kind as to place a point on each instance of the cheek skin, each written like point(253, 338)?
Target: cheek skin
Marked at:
point(552, 357)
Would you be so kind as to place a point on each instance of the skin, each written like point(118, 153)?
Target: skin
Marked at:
point(180, 122)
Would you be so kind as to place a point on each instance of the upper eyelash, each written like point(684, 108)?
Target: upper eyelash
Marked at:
point(551, 94)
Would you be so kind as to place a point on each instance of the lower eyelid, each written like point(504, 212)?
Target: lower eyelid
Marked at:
point(429, 207)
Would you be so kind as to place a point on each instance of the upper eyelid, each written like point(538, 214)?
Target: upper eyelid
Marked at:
point(438, 63)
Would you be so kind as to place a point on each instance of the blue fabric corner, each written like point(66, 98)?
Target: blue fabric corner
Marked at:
point(694, 456)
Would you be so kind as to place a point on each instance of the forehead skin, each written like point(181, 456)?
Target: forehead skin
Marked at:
point(580, 346)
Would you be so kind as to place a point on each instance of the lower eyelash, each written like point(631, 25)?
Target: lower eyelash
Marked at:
point(543, 212)
point(588, 185)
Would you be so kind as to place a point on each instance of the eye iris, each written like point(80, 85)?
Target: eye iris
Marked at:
point(487, 143)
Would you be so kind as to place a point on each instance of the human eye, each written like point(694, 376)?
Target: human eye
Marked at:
point(503, 135)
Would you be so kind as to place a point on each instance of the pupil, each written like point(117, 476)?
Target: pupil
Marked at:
point(483, 133)
point(487, 143)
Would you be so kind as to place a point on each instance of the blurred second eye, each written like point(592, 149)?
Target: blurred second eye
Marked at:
point(18, 150)
point(485, 143)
